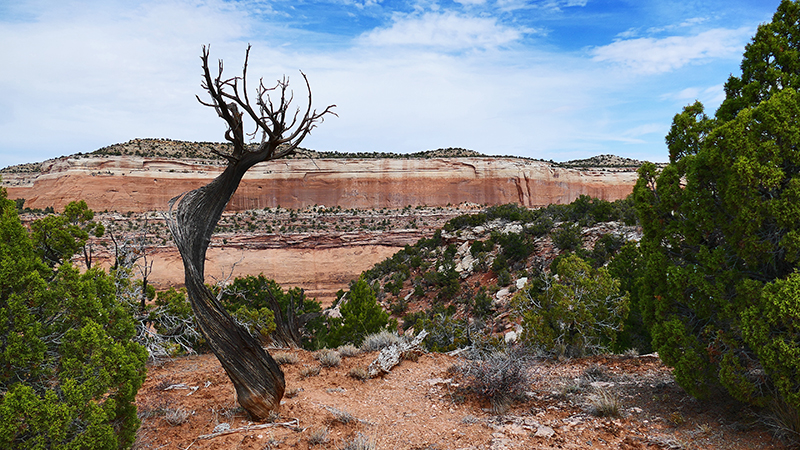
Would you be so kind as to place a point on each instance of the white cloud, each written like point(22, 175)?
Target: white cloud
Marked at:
point(693, 21)
point(471, 2)
point(447, 31)
point(109, 74)
point(361, 4)
point(710, 96)
point(651, 55)
point(648, 128)
point(79, 79)
point(554, 5)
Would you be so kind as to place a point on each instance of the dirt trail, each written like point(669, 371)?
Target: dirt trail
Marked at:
point(420, 405)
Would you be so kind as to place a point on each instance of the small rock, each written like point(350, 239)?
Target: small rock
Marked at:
point(514, 429)
point(511, 337)
point(501, 295)
point(500, 443)
point(435, 381)
point(545, 432)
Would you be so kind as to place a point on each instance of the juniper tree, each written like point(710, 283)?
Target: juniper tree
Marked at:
point(69, 369)
point(721, 245)
point(193, 216)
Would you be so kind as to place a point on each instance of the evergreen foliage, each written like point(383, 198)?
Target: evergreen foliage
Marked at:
point(627, 267)
point(58, 237)
point(362, 315)
point(69, 370)
point(722, 230)
point(249, 299)
point(579, 312)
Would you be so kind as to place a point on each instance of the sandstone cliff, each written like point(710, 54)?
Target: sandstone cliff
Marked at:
point(318, 249)
point(136, 183)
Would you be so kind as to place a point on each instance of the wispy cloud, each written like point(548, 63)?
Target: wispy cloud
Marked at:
point(406, 76)
point(708, 95)
point(448, 31)
point(652, 55)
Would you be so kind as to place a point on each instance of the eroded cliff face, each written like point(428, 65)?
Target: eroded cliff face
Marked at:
point(321, 259)
point(130, 183)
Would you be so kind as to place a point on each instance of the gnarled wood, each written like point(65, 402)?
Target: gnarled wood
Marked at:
point(193, 216)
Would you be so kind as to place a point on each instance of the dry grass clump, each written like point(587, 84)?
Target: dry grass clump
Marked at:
point(307, 371)
point(411, 355)
point(341, 416)
point(604, 404)
point(567, 388)
point(361, 442)
point(349, 350)
point(273, 417)
point(177, 416)
point(291, 393)
point(328, 357)
point(379, 341)
point(318, 436)
point(500, 378)
point(469, 419)
point(285, 358)
point(359, 373)
point(784, 421)
point(596, 372)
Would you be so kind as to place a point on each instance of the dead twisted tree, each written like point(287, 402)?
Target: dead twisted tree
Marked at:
point(193, 216)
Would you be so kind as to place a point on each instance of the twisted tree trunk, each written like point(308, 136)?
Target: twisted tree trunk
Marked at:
point(193, 216)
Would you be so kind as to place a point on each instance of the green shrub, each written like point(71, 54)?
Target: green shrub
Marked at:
point(260, 322)
point(253, 299)
point(465, 221)
point(361, 315)
point(57, 237)
point(605, 248)
point(515, 247)
point(69, 370)
point(721, 229)
point(567, 237)
point(173, 320)
point(503, 278)
point(478, 246)
point(627, 267)
point(540, 226)
point(578, 313)
point(446, 333)
point(770, 328)
point(511, 212)
point(482, 304)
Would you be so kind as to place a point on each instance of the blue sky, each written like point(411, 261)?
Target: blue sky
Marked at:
point(549, 79)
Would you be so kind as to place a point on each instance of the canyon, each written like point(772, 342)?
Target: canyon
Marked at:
point(316, 212)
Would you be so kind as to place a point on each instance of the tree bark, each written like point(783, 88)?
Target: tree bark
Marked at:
point(257, 378)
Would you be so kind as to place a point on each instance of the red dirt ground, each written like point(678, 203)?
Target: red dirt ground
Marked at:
point(422, 405)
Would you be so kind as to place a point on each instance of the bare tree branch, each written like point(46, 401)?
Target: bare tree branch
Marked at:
point(193, 216)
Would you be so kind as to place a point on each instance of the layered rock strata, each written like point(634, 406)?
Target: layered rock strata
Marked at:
point(130, 183)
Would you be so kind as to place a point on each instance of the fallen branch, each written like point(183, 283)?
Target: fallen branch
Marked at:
point(390, 356)
point(293, 425)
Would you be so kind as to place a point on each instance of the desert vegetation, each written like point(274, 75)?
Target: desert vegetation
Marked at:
point(699, 264)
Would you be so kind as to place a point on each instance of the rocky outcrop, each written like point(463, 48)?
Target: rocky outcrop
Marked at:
point(133, 183)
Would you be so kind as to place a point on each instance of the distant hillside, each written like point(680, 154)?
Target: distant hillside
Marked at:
point(602, 161)
point(171, 149)
point(166, 148)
